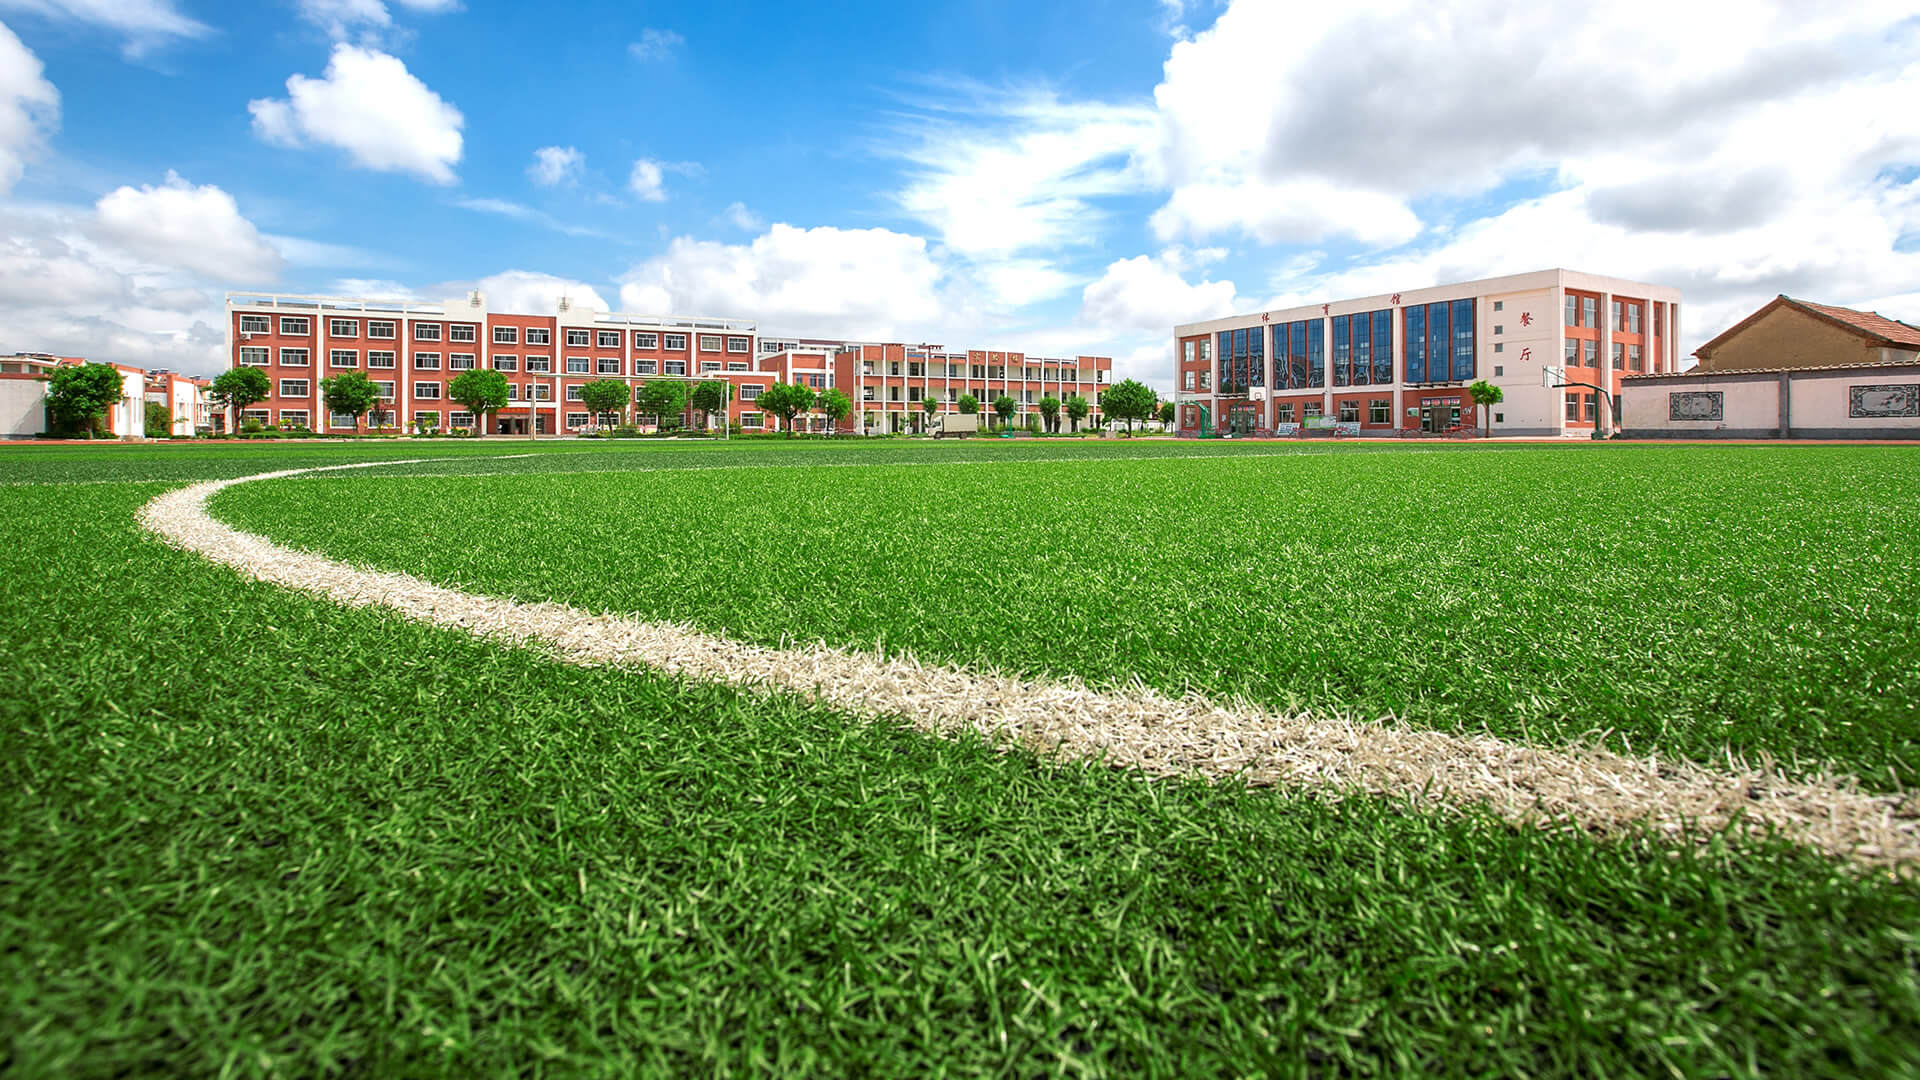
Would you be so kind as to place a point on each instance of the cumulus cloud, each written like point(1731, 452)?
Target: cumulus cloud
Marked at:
point(655, 44)
point(366, 19)
point(645, 181)
point(198, 229)
point(863, 283)
point(145, 24)
point(737, 215)
point(29, 107)
point(370, 106)
point(553, 165)
point(533, 292)
point(1151, 293)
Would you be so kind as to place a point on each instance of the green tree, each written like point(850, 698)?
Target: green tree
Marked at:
point(350, 393)
point(240, 388)
point(1127, 400)
point(929, 407)
point(968, 404)
point(1003, 407)
point(1050, 413)
point(78, 395)
point(1076, 411)
point(605, 396)
point(1166, 416)
point(786, 401)
point(1486, 396)
point(711, 399)
point(837, 405)
point(482, 391)
point(159, 420)
point(664, 400)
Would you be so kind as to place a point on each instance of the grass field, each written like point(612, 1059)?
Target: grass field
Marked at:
point(249, 831)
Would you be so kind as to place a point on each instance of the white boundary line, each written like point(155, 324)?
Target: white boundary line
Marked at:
point(1143, 729)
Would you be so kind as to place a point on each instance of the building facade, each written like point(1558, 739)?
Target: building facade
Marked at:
point(414, 350)
point(1790, 333)
point(187, 399)
point(23, 397)
point(1403, 361)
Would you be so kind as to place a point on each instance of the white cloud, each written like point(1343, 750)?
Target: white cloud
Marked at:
point(737, 215)
point(554, 165)
point(655, 44)
point(1152, 294)
point(519, 212)
point(29, 107)
point(146, 24)
point(532, 292)
point(645, 181)
point(365, 19)
point(198, 229)
point(862, 283)
point(369, 105)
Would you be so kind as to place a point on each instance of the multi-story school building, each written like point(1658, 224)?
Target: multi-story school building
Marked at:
point(414, 350)
point(1403, 361)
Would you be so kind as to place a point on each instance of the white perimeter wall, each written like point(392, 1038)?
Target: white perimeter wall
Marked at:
point(23, 412)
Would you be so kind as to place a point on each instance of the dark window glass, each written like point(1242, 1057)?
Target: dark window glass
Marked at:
point(1297, 353)
point(1225, 357)
point(1257, 356)
point(1437, 350)
point(1342, 352)
point(1462, 339)
point(1383, 346)
point(1362, 349)
point(1316, 354)
point(1416, 334)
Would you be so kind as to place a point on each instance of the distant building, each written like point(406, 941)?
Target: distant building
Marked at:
point(188, 399)
point(1790, 333)
point(1376, 365)
point(1876, 400)
point(23, 397)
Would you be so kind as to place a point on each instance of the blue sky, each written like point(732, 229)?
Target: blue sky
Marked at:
point(1064, 178)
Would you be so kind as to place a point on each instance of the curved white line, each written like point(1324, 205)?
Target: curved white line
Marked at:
point(1140, 728)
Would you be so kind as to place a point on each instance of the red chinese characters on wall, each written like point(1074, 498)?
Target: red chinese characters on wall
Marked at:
point(1526, 318)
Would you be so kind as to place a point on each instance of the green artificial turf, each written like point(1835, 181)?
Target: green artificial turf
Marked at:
point(246, 832)
point(1683, 600)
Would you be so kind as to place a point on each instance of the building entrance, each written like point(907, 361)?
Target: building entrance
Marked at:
point(1242, 419)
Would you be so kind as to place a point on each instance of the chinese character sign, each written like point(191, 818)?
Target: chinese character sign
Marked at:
point(1526, 318)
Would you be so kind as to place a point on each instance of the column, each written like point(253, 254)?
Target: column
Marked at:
point(1604, 418)
point(1398, 335)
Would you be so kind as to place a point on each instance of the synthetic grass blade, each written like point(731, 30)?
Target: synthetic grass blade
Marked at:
point(1144, 730)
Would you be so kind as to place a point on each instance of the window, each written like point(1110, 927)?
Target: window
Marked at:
point(1499, 418)
point(503, 362)
point(254, 355)
point(386, 390)
point(1633, 318)
point(343, 328)
point(426, 361)
point(1633, 358)
point(608, 365)
point(737, 344)
point(426, 391)
point(1186, 353)
point(1379, 412)
point(427, 331)
point(340, 419)
point(431, 419)
point(1499, 328)
point(381, 358)
point(573, 393)
point(294, 418)
point(506, 335)
point(460, 361)
point(541, 392)
point(1572, 358)
point(1590, 354)
point(1285, 412)
point(577, 339)
point(676, 367)
point(458, 332)
point(1573, 407)
point(1499, 346)
point(295, 388)
point(750, 391)
point(1499, 305)
point(1619, 316)
point(255, 324)
point(293, 357)
point(751, 421)
point(1589, 311)
point(709, 342)
point(645, 340)
point(576, 419)
point(736, 365)
point(343, 358)
point(513, 391)
point(296, 326)
point(539, 365)
point(676, 343)
point(645, 367)
point(1499, 370)
point(539, 335)
point(1619, 356)
point(579, 365)
point(609, 339)
point(1593, 409)
point(1349, 412)
point(457, 419)
point(866, 393)
point(256, 414)
point(1188, 375)
point(1206, 380)
point(1572, 301)
point(1206, 351)
point(1312, 409)
point(382, 330)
